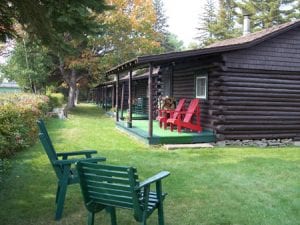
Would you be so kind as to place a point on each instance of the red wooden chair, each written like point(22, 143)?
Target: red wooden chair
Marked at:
point(162, 113)
point(193, 109)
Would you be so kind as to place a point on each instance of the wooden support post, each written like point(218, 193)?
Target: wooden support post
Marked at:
point(117, 98)
point(113, 96)
point(122, 101)
point(105, 98)
point(171, 79)
point(150, 112)
point(130, 99)
point(102, 97)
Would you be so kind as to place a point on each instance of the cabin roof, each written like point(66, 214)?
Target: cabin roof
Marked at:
point(135, 76)
point(242, 42)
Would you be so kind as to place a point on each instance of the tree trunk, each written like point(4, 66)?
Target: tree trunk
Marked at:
point(72, 89)
point(76, 96)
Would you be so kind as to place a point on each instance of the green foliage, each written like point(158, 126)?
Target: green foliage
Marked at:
point(224, 26)
point(130, 33)
point(228, 20)
point(56, 100)
point(18, 115)
point(266, 14)
point(172, 43)
point(207, 20)
point(30, 65)
point(6, 21)
point(5, 165)
point(52, 22)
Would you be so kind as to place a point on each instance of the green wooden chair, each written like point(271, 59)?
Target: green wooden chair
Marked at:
point(107, 187)
point(63, 166)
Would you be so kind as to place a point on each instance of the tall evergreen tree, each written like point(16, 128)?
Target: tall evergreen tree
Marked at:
point(207, 19)
point(224, 27)
point(220, 25)
point(169, 42)
point(265, 14)
point(161, 26)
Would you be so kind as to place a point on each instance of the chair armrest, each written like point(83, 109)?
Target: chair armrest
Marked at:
point(153, 179)
point(75, 153)
point(73, 161)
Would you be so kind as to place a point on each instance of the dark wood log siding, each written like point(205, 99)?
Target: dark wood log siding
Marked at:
point(184, 86)
point(260, 91)
point(140, 88)
point(256, 105)
point(280, 53)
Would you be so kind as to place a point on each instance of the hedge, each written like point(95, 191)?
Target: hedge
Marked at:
point(56, 100)
point(18, 115)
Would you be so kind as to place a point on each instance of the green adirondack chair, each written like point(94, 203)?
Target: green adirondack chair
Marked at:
point(63, 166)
point(107, 187)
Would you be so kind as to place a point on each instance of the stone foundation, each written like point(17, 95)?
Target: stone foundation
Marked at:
point(257, 143)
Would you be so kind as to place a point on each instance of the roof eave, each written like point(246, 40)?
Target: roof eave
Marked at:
point(173, 56)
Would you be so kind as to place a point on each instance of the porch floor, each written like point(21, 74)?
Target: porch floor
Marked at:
point(160, 136)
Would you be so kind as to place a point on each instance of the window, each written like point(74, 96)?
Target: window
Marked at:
point(201, 87)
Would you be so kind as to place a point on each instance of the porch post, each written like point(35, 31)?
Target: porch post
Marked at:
point(150, 103)
point(130, 99)
point(122, 100)
point(171, 79)
point(105, 98)
point(112, 96)
point(102, 97)
point(117, 98)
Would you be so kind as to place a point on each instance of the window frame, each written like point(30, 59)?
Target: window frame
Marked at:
point(202, 76)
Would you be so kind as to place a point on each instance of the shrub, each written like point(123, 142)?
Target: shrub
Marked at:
point(56, 100)
point(18, 115)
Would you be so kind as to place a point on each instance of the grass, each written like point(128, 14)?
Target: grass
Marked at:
point(207, 186)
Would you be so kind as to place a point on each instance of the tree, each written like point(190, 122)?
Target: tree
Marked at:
point(173, 43)
point(224, 26)
point(265, 14)
point(30, 65)
point(207, 19)
point(218, 26)
point(49, 20)
point(63, 26)
point(130, 33)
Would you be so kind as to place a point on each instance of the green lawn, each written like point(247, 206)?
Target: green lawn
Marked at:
point(207, 186)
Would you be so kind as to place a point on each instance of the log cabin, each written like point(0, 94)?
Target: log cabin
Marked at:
point(249, 86)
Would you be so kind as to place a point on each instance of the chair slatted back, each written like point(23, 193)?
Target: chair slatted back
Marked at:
point(194, 104)
point(178, 108)
point(109, 185)
point(51, 150)
point(51, 154)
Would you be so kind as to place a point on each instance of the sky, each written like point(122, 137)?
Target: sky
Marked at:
point(183, 17)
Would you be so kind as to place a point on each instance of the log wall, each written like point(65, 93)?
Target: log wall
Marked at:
point(184, 85)
point(256, 105)
point(281, 53)
point(259, 92)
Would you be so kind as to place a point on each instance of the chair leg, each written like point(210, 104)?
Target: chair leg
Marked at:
point(91, 218)
point(57, 193)
point(113, 217)
point(60, 201)
point(160, 211)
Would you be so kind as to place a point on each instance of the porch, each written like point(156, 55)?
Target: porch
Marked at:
point(160, 136)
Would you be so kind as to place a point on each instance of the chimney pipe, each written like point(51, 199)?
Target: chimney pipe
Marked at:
point(246, 29)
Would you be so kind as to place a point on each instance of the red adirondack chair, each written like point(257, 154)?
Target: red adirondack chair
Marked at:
point(193, 109)
point(163, 114)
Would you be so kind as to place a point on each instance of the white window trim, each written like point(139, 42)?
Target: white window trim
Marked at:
point(206, 86)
